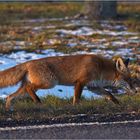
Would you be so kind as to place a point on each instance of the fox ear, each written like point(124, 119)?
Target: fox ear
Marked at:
point(120, 66)
point(127, 62)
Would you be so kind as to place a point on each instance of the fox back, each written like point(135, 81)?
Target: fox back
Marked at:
point(83, 68)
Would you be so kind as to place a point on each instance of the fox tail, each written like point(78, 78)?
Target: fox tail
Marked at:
point(12, 75)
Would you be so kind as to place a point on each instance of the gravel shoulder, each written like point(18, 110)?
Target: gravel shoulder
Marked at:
point(129, 130)
point(82, 126)
point(81, 118)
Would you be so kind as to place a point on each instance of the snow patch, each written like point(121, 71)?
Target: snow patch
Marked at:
point(87, 31)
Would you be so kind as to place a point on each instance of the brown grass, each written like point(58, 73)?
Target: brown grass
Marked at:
point(53, 106)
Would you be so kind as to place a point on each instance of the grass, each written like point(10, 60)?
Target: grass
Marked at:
point(18, 11)
point(53, 106)
point(130, 15)
point(128, 12)
point(11, 13)
point(11, 27)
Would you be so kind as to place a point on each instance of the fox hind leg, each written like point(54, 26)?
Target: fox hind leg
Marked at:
point(9, 98)
point(31, 91)
point(22, 90)
point(102, 91)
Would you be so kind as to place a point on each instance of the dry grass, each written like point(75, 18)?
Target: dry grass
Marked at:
point(130, 14)
point(18, 11)
point(129, 8)
point(53, 106)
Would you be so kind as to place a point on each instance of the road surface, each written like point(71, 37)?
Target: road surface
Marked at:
point(115, 130)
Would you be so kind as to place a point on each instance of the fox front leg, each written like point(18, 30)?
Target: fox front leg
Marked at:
point(77, 93)
point(109, 96)
point(102, 91)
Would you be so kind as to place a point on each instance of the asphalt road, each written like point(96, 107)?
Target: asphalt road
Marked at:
point(119, 130)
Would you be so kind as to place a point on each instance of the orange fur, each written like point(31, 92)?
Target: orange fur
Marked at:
point(77, 70)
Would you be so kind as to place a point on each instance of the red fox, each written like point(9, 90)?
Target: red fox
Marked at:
point(92, 71)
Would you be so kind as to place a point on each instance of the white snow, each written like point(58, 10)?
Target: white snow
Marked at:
point(119, 43)
point(83, 28)
point(87, 31)
point(124, 52)
point(82, 31)
point(22, 56)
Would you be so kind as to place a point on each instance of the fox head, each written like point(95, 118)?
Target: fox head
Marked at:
point(124, 79)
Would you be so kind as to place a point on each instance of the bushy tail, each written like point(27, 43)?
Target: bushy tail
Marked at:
point(12, 75)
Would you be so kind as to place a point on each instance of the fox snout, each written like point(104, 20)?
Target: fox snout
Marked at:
point(131, 89)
